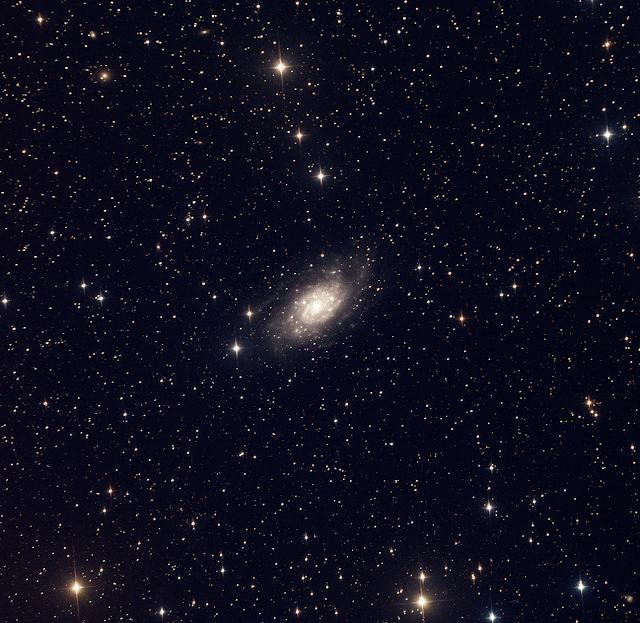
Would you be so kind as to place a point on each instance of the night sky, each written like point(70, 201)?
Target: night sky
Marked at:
point(320, 311)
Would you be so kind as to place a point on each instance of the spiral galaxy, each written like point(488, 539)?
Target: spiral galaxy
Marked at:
point(315, 305)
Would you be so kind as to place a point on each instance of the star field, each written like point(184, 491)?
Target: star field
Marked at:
point(320, 312)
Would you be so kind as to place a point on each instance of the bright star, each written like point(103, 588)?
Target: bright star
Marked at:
point(76, 587)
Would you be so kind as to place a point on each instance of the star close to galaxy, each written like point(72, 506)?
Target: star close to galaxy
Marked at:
point(318, 311)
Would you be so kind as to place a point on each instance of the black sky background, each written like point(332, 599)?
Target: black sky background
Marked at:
point(150, 154)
